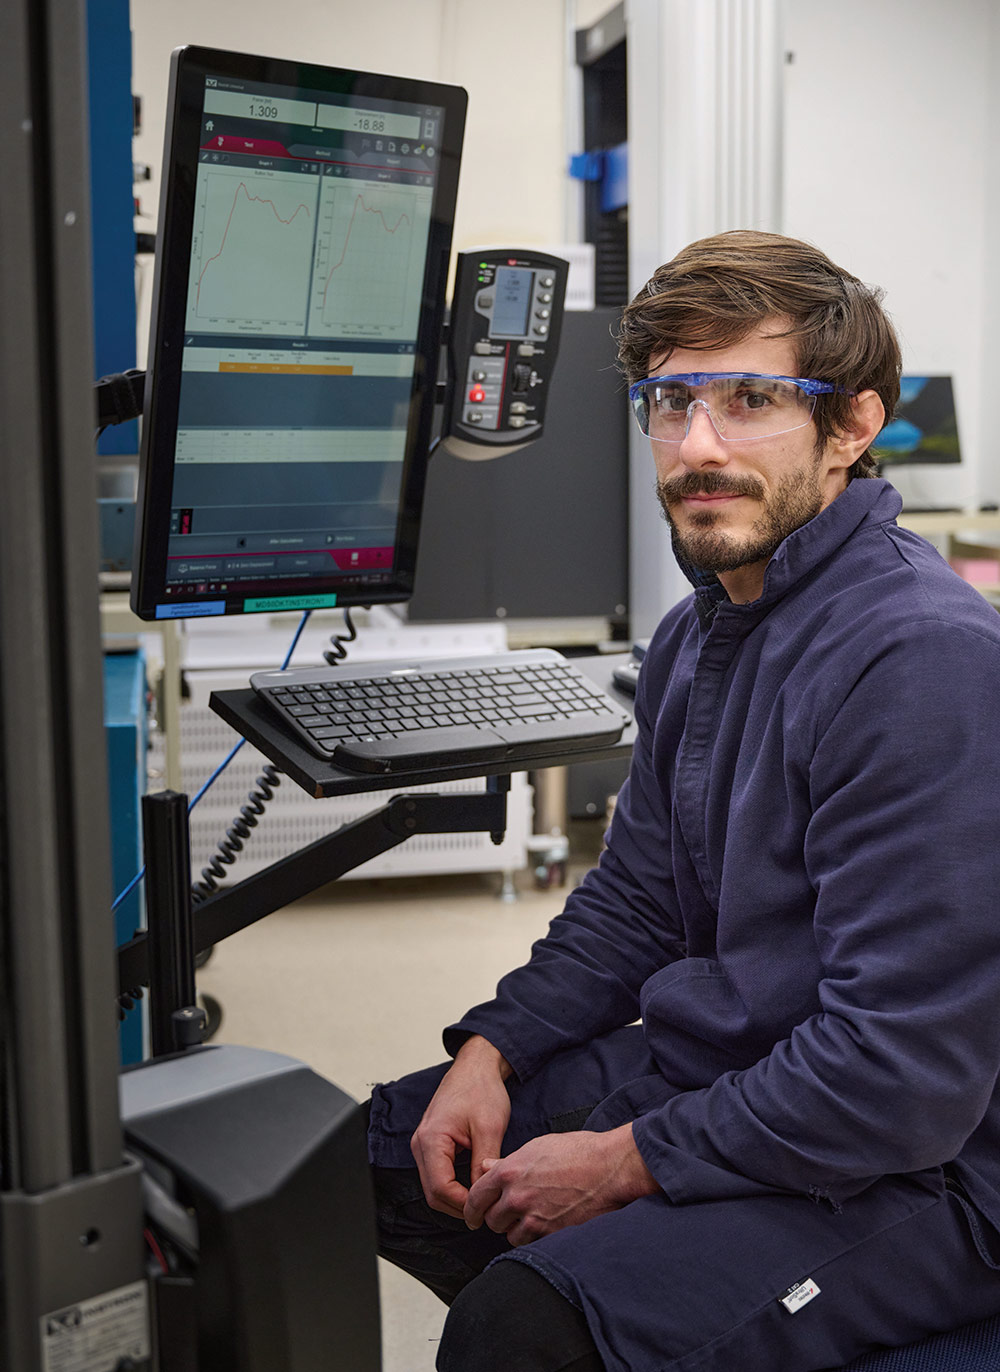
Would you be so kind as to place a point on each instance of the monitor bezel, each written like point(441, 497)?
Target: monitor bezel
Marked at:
point(189, 68)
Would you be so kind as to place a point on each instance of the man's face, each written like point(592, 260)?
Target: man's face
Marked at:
point(730, 504)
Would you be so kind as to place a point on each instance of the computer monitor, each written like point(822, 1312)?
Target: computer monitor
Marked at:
point(924, 428)
point(302, 255)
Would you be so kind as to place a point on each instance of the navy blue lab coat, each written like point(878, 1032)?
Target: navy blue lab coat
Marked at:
point(800, 898)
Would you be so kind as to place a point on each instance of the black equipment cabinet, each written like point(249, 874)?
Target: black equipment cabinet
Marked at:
point(541, 533)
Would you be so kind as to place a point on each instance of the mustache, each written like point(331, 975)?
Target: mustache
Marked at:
point(708, 483)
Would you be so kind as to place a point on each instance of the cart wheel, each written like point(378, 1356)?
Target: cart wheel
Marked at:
point(213, 1010)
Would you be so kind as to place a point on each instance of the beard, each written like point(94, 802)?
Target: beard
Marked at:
point(795, 500)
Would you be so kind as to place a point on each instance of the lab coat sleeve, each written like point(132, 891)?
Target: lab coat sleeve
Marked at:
point(897, 1068)
point(618, 927)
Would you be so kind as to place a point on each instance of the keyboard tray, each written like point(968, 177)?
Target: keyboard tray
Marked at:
point(398, 717)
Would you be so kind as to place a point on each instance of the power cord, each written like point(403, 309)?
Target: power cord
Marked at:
point(337, 650)
point(240, 829)
point(238, 833)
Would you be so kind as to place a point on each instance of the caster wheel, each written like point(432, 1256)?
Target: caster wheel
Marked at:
point(213, 1010)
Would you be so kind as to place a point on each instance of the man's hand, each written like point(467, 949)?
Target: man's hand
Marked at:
point(556, 1181)
point(470, 1109)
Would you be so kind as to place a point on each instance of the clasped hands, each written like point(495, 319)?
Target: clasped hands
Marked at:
point(550, 1183)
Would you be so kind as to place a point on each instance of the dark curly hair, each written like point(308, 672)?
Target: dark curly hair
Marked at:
point(717, 290)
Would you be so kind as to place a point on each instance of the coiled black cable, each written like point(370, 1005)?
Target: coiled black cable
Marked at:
point(337, 650)
point(237, 835)
point(241, 828)
point(225, 855)
point(246, 821)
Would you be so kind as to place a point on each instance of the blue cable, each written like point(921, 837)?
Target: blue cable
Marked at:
point(219, 770)
point(129, 888)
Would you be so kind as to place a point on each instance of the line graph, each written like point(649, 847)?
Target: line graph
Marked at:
point(251, 251)
point(369, 261)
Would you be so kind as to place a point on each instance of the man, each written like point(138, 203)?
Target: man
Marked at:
point(796, 1155)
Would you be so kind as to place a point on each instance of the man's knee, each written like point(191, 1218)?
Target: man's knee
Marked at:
point(511, 1318)
point(439, 1250)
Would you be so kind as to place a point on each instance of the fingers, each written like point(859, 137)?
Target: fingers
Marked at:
point(435, 1159)
point(469, 1110)
point(489, 1203)
point(448, 1199)
point(487, 1137)
point(482, 1204)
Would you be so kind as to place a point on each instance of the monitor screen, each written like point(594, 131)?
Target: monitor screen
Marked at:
point(924, 428)
point(302, 255)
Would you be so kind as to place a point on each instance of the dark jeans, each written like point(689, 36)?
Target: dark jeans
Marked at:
point(508, 1318)
point(547, 1333)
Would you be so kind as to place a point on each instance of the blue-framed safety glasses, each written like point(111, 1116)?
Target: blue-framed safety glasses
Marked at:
point(741, 405)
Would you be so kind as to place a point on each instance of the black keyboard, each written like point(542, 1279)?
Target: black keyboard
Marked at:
point(381, 717)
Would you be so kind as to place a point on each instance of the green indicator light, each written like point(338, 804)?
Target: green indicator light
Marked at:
point(290, 602)
point(483, 266)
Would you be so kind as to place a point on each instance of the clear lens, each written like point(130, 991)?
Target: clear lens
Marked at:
point(741, 407)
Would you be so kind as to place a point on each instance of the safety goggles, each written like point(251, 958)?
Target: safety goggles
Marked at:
point(742, 406)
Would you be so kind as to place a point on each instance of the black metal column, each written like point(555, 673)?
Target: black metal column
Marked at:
point(168, 915)
point(70, 1207)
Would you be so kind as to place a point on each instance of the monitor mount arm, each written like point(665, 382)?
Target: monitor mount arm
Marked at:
point(119, 397)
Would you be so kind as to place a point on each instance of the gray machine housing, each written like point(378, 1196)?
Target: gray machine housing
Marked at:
point(254, 1175)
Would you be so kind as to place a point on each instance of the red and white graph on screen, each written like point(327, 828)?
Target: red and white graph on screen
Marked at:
point(255, 253)
point(363, 267)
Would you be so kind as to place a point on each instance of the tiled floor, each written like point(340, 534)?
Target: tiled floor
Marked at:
point(358, 980)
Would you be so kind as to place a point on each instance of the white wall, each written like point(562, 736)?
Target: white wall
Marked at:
point(510, 58)
point(989, 433)
point(891, 167)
